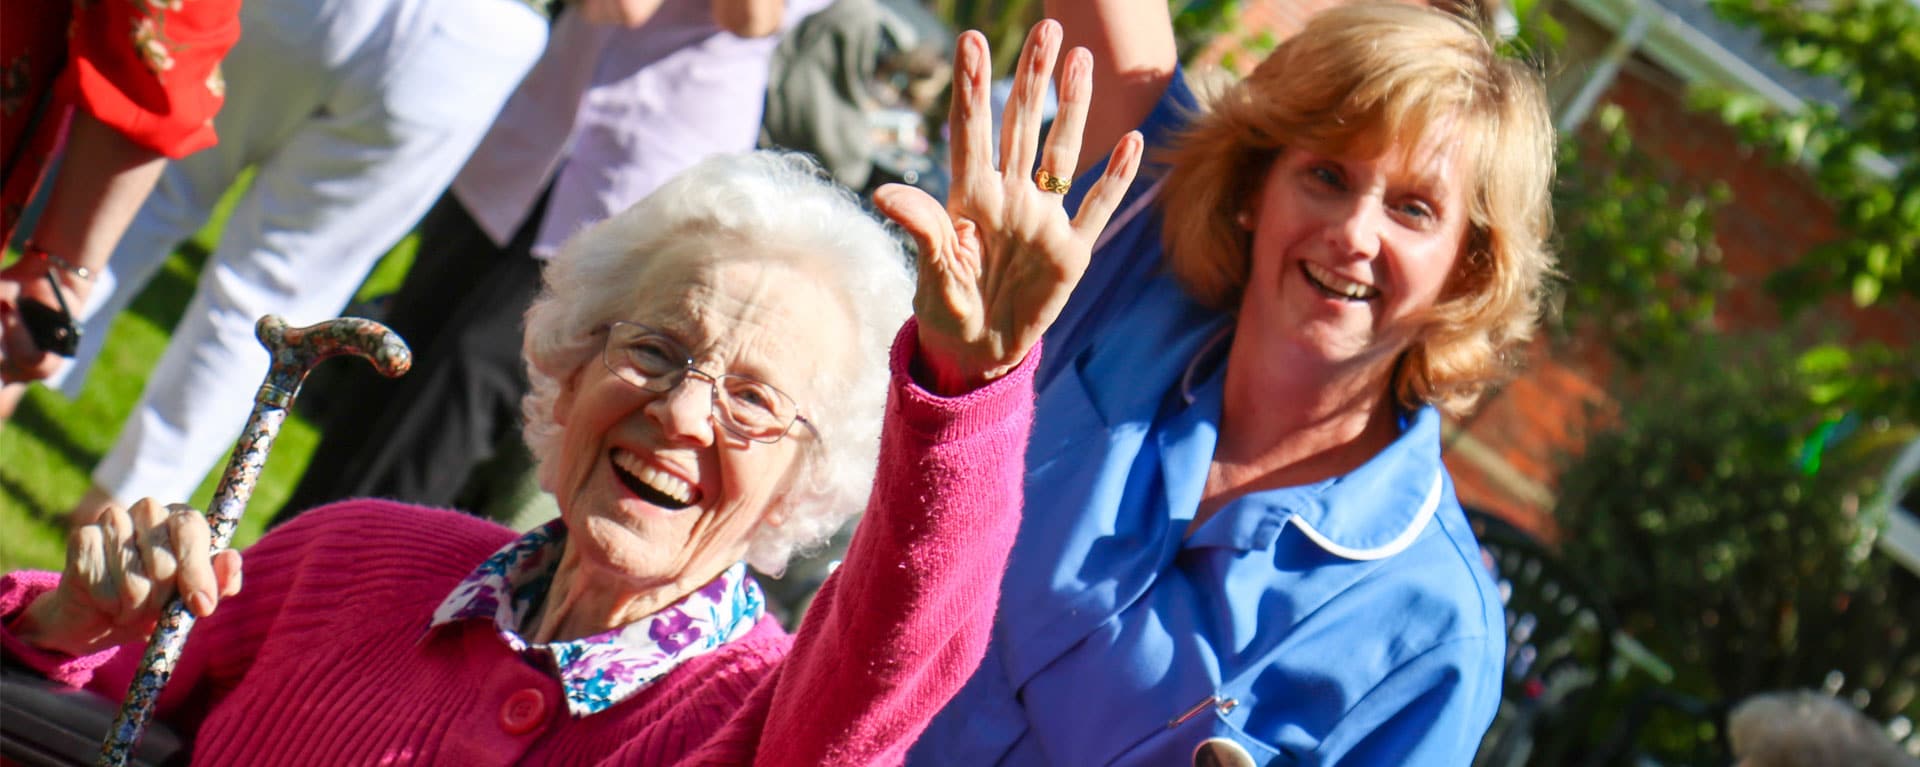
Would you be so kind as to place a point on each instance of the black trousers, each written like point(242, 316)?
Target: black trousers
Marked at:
point(418, 437)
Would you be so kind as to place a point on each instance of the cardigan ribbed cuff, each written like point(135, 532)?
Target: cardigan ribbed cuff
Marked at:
point(943, 419)
point(17, 591)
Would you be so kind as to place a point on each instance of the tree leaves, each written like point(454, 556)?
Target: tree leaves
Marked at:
point(1872, 49)
point(1642, 270)
point(1695, 510)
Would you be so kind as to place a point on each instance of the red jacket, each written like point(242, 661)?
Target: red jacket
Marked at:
point(149, 69)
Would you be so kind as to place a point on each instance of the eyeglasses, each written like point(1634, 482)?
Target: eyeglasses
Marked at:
point(651, 361)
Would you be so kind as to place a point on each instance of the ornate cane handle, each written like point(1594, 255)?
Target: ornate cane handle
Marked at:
point(295, 351)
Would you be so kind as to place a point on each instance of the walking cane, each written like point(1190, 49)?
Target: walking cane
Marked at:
point(295, 351)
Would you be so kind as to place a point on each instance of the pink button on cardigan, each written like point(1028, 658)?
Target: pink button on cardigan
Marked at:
point(325, 657)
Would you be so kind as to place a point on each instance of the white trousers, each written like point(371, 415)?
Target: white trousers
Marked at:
point(356, 114)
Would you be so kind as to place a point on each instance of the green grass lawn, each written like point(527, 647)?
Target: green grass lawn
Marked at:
point(51, 444)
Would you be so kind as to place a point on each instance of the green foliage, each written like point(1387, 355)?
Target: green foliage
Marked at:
point(1871, 379)
point(51, 443)
point(1004, 22)
point(1720, 507)
point(1641, 270)
point(1538, 35)
point(1865, 158)
point(1722, 548)
point(1250, 52)
point(1196, 23)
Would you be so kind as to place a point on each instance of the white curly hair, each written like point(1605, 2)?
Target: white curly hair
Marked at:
point(784, 200)
point(1806, 728)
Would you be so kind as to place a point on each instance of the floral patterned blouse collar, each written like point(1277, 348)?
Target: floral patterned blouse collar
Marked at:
point(601, 670)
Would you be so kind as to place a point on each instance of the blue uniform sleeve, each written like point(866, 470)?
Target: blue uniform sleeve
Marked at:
point(1432, 710)
point(1130, 256)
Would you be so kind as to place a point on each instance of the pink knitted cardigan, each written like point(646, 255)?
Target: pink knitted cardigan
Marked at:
point(325, 657)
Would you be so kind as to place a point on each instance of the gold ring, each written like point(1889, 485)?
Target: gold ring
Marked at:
point(1049, 182)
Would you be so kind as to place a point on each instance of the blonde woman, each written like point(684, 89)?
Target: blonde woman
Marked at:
point(1239, 539)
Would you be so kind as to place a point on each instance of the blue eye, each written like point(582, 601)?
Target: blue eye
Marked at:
point(1325, 175)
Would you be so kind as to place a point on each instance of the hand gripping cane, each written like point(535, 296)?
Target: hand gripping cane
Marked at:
point(295, 351)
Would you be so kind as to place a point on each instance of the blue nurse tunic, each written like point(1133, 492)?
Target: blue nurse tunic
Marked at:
point(1348, 621)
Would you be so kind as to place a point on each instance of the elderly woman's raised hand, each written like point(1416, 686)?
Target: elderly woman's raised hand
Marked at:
point(121, 571)
point(997, 264)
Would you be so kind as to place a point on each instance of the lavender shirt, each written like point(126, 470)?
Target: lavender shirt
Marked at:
point(616, 112)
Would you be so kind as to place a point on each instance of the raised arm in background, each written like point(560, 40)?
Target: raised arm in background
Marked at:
point(749, 18)
point(1133, 60)
point(105, 178)
point(123, 85)
point(746, 18)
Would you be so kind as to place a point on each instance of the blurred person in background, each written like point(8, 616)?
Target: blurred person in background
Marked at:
point(1805, 728)
point(818, 89)
point(123, 86)
point(628, 94)
point(352, 116)
point(856, 86)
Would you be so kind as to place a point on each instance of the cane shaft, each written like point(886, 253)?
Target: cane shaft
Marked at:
point(176, 621)
point(295, 351)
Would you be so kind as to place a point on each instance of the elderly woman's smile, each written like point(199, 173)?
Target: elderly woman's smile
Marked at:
point(651, 484)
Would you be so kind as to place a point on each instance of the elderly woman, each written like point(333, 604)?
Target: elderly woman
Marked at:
point(708, 382)
point(1239, 539)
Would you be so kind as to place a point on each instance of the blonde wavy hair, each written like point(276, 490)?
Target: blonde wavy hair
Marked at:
point(1366, 78)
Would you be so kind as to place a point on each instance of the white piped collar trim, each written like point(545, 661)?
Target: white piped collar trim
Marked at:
point(1390, 548)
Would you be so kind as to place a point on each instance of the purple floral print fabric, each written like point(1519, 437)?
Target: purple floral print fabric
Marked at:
point(600, 670)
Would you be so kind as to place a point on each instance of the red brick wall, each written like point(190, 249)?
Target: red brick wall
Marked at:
point(1774, 217)
point(1281, 18)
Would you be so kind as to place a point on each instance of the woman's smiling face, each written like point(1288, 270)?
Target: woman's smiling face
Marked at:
point(1349, 251)
point(652, 488)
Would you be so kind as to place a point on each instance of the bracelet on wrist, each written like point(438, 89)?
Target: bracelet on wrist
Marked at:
point(77, 271)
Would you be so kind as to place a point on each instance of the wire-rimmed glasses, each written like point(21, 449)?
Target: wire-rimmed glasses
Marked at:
point(652, 361)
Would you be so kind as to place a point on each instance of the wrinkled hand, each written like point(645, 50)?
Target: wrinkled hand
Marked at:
point(20, 359)
point(120, 573)
point(998, 263)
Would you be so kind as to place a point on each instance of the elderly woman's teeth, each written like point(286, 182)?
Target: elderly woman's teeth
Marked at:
point(652, 484)
point(666, 483)
point(1333, 283)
